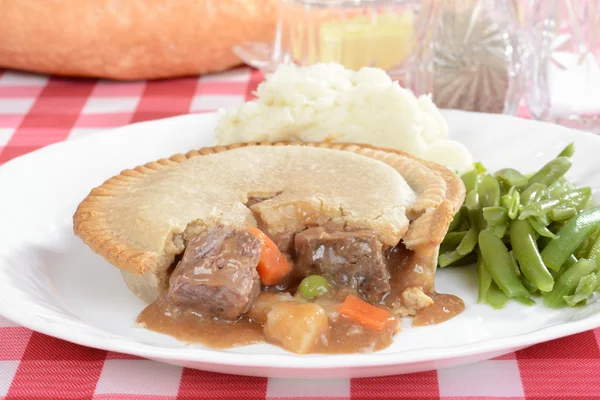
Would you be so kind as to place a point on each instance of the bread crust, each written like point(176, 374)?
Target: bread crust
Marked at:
point(132, 39)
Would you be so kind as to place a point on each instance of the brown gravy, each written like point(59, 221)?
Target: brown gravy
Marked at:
point(409, 270)
point(445, 306)
point(344, 336)
point(347, 337)
point(191, 328)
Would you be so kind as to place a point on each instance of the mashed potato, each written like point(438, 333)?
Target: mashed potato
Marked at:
point(327, 102)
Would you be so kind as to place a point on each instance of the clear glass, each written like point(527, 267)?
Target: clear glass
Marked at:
point(475, 56)
point(354, 33)
point(563, 65)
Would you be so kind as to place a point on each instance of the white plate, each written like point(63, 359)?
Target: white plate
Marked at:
point(52, 283)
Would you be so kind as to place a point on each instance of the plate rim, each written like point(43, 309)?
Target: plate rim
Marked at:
point(297, 361)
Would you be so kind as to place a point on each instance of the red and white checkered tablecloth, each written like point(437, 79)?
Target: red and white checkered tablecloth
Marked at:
point(37, 110)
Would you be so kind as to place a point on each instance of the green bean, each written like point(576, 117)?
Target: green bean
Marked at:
point(593, 239)
point(562, 214)
point(489, 191)
point(515, 264)
point(495, 215)
point(452, 239)
point(456, 221)
point(530, 234)
point(584, 290)
point(511, 190)
point(472, 200)
point(469, 179)
point(476, 220)
point(538, 209)
point(574, 193)
point(552, 171)
point(556, 274)
point(556, 226)
point(511, 201)
point(499, 264)
point(506, 199)
point(538, 196)
point(527, 254)
point(569, 262)
point(526, 300)
point(484, 279)
point(542, 241)
point(566, 265)
point(594, 253)
point(513, 210)
point(511, 177)
point(576, 198)
point(479, 167)
point(570, 236)
point(530, 286)
point(540, 228)
point(498, 230)
point(558, 188)
point(584, 248)
point(586, 203)
point(446, 259)
point(543, 220)
point(495, 297)
point(465, 224)
point(568, 282)
point(568, 151)
point(313, 286)
point(532, 193)
point(469, 259)
point(589, 204)
point(468, 242)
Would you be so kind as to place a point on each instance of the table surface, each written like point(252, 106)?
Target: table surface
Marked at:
point(38, 110)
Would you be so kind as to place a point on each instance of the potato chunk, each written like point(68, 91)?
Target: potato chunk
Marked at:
point(263, 304)
point(296, 327)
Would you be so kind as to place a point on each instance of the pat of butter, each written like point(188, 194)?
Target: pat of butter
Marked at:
point(382, 41)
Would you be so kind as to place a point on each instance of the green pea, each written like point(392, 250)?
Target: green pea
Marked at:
point(313, 286)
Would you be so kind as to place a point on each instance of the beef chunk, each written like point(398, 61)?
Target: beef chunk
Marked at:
point(347, 258)
point(217, 275)
point(284, 241)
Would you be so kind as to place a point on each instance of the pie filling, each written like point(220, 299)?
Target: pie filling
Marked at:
point(215, 295)
point(315, 247)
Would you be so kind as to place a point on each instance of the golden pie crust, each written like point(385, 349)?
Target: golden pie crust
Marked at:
point(438, 194)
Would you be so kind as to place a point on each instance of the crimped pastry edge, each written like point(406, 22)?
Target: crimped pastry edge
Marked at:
point(89, 220)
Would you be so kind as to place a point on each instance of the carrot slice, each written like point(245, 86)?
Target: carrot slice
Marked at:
point(364, 313)
point(272, 266)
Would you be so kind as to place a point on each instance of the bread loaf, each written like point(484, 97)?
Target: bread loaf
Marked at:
point(131, 39)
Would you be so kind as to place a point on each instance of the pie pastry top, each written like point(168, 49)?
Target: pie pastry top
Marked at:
point(140, 219)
